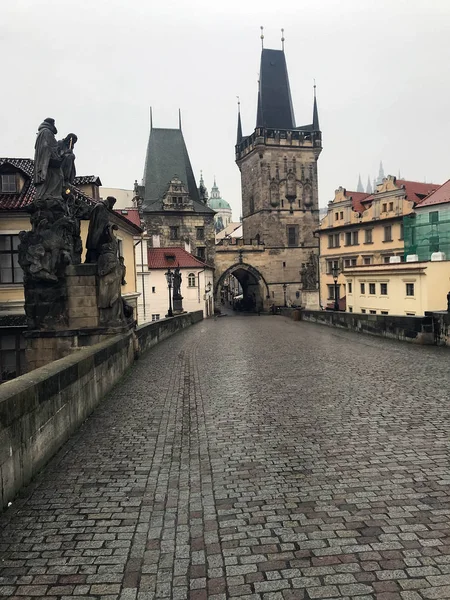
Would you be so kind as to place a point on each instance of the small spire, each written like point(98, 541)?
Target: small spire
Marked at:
point(151, 119)
point(316, 125)
point(239, 125)
point(360, 187)
point(179, 119)
point(282, 39)
point(262, 36)
point(369, 186)
point(215, 185)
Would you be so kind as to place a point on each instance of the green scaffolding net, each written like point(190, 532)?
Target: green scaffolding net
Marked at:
point(426, 233)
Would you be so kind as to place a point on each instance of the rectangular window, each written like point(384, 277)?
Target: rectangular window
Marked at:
point(336, 216)
point(331, 241)
point(337, 242)
point(173, 233)
point(383, 289)
point(433, 217)
point(348, 238)
point(350, 309)
point(384, 207)
point(331, 265)
point(252, 205)
point(368, 236)
point(373, 312)
point(200, 231)
point(388, 233)
point(355, 238)
point(9, 184)
point(402, 230)
point(10, 270)
point(384, 312)
point(372, 288)
point(391, 206)
point(201, 253)
point(341, 215)
point(363, 310)
point(12, 356)
point(367, 260)
point(292, 235)
point(363, 288)
point(353, 262)
point(387, 259)
point(350, 287)
point(330, 292)
point(155, 317)
point(346, 263)
point(153, 290)
point(120, 247)
point(410, 314)
point(410, 289)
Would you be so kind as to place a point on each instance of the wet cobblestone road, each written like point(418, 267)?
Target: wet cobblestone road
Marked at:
point(254, 458)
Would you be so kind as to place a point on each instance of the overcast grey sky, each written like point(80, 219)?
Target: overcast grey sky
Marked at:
point(381, 68)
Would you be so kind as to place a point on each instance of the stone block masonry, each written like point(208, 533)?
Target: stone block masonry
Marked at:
point(39, 411)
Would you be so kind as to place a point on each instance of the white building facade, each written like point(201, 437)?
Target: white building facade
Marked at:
point(152, 266)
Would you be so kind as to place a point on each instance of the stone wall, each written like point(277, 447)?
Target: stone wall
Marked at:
point(40, 410)
point(409, 329)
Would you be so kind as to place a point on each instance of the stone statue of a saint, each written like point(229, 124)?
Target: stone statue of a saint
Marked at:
point(68, 161)
point(98, 222)
point(309, 273)
point(48, 158)
point(177, 278)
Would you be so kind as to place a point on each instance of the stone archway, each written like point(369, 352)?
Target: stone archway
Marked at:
point(255, 290)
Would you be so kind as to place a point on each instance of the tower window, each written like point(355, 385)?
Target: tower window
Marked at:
point(200, 233)
point(252, 205)
point(173, 232)
point(292, 232)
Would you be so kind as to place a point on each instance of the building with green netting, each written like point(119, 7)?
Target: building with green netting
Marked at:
point(428, 229)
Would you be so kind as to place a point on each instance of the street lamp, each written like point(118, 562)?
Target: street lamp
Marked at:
point(284, 291)
point(335, 275)
point(169, 278)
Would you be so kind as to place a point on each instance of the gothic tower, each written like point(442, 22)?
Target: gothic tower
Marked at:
point(278, 164)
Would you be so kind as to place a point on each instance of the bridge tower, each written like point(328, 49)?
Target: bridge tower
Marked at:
point(280, 208)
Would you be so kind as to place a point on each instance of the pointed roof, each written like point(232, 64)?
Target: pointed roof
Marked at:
point(167, 156)
point(239, 128)
point(275, 109)
point(440, 196)
point(360, 187)
point(369, 189)
point(315, 122)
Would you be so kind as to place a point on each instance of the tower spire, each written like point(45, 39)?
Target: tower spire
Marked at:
point(360, 187)
point(151, 119)
point(262, 36)
point(282, 39)
point(239, 125)
point(316, 126)
point(179, 119)
point(369, 186)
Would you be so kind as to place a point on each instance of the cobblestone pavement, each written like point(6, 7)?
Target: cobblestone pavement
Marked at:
point(254, 458)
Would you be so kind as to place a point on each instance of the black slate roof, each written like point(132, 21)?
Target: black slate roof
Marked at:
point(275, 109)
point(87, 179)
point(167, 157)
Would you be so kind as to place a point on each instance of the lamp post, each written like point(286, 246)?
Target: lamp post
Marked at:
point(335, 274)
point(169, 278)
point(285, 297)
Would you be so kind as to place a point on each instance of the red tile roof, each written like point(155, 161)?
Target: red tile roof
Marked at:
point(163, 258)
point(130, 214)
point(415, 191)
point(357, 199)
point(440, 196)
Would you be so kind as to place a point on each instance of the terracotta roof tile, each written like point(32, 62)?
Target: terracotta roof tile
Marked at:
point(357, 199)
point(440, 196)
point(163, 258)
point(130, 214)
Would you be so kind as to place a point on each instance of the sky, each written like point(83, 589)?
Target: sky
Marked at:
point(96, 66)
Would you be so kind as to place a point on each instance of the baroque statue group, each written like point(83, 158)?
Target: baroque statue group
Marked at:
point(54, 241)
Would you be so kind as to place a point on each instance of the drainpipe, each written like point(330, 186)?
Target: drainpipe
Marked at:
point(317, 234)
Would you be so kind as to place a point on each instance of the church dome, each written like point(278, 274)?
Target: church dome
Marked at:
point(215, 201)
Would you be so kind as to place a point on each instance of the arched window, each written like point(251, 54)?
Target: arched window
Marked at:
point(191, 280)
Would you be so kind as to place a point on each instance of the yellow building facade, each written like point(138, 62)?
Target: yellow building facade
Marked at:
point(364, 229)
point(410, 288)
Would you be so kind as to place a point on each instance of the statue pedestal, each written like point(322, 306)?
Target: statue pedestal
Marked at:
point(178, 304)
point(82, 322)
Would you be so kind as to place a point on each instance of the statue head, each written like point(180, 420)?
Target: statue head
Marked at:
point(110, 201)
point(70, 140)
point(49, 123)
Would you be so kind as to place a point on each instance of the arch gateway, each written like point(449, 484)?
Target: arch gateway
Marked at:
point(276, 259)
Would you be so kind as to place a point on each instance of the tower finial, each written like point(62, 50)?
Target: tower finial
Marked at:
point(151, 119)
point(316, 125)
point(262, 36)
point(179, 119)
point(282, 39)
point(239, 126)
